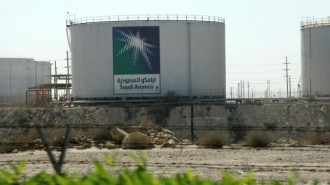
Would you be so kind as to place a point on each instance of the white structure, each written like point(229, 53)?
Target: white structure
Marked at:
point(147, 56)
point(315, 54)
point(19, 74)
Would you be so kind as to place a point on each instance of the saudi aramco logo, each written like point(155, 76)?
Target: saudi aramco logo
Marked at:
point(136, 50)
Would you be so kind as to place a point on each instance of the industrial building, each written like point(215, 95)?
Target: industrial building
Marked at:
point(121, 57)
point(20, 77)
point(315, 55)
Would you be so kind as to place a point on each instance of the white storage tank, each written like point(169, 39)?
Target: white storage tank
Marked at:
point(148, 56)
point(19, 74)
point(315, 55)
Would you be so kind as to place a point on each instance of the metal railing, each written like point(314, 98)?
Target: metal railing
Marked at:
point(159, 17)
point(312, 22)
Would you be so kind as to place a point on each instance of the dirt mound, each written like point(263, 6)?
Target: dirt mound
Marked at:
point(146, 133)
point(143, 135)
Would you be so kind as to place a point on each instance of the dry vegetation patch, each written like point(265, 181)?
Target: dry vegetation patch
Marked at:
point(313, 138)
point(258, 139)
point(214, 139)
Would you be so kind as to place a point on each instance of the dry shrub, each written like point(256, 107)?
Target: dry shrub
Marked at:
point(258, 139)
point(326, 139)
point(214, 139)
point(313, 138)
point(6, 148)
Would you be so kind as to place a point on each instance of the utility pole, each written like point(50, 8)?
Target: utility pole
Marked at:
point(238, 96)
point(310, 87)
point(268, 90)
point(290, 86)
point(55, 82)
point(67, 77)
point(240, 89)
point(269, 93)
point(248, 89)
point(287, 76)
point(243, 89)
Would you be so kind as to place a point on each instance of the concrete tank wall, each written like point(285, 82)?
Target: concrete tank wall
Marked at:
point(191, 59)
point(315, 44)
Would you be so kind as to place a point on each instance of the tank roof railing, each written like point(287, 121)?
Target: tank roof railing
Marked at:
point(312, 22)
point(160, 17)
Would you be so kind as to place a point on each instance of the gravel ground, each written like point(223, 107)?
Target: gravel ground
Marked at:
point(310, 163)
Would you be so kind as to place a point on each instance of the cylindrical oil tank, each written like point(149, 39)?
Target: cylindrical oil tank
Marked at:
point(148, 56)
point(315, 55)
point(19, 74)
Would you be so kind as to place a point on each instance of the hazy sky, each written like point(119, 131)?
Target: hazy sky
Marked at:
point(259, 33)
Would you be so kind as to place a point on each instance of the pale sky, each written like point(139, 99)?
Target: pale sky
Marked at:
point(259, 33)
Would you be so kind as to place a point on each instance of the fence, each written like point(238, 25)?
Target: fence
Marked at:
point(152, 17)
point(313, 22)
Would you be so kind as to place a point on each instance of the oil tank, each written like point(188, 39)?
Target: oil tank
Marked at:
point(147, 56)
point(19, 74)
point(315, 55)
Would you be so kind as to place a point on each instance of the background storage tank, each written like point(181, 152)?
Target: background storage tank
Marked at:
point(148, 56)
point(19, 74)
point(315, 54)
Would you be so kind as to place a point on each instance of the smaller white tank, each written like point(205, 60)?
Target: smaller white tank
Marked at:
point(315, 56)
point(19, 74)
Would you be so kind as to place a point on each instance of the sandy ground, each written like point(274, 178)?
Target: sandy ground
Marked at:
point(272, 163)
